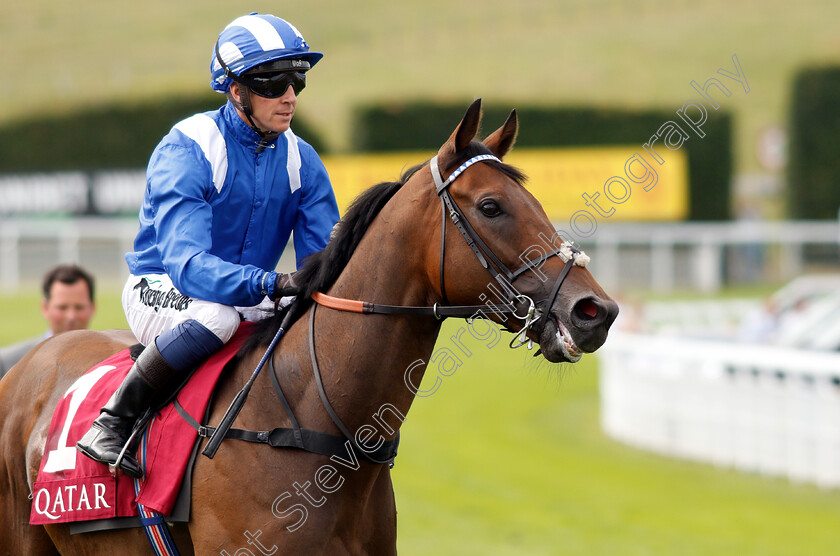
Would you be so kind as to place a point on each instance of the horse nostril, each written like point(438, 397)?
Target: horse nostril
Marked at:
point(586, 309)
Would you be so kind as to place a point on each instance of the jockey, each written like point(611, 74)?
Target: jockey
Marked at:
point(225, 190)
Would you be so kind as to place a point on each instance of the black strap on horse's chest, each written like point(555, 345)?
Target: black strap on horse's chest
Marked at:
point(303, 439)
point(296, 437)
point(372, 456)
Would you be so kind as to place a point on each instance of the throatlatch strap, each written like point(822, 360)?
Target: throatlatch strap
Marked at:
point(443, 298)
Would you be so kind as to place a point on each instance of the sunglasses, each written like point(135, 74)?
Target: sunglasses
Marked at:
point(273, 85)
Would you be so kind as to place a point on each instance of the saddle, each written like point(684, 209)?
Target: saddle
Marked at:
point(74, 488)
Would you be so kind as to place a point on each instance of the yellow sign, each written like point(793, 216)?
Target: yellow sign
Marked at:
point(611, 183)
point(352, 174)
point(625, 182)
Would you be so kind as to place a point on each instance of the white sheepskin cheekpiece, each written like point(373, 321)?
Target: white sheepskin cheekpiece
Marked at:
point(566, 253)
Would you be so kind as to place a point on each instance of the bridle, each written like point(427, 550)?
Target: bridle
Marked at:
point(327, 444)
point(505, 277)
point(502, 274)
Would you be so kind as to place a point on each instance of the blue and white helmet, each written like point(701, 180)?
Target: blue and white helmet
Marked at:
point(253, 40)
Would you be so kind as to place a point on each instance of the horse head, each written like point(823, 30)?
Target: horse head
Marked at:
point(510, 253)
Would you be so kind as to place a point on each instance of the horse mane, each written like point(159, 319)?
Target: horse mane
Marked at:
point(320, 270)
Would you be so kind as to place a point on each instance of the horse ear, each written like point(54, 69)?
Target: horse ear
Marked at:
point(469, 126)
point(501, 141)
point(463, 134)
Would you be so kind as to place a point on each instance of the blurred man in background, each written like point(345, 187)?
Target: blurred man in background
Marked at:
point(67, 305)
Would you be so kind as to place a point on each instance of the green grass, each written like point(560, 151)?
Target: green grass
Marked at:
point(508, 458)
point(59, 56)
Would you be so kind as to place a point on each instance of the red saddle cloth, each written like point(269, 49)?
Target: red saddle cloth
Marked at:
point(72, 487)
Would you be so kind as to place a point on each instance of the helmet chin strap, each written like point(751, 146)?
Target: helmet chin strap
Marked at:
point(266, 137)
point(244, 105)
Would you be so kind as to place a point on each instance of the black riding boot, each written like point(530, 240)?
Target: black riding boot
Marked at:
point(145, 383)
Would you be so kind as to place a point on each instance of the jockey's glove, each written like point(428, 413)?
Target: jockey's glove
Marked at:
point(284, 286)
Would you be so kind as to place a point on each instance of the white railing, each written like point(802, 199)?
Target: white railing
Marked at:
point(756, 408)
point(695, 255)
point(28, 247)
point(660, 256)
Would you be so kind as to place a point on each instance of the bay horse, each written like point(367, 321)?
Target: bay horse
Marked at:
point(392, 247)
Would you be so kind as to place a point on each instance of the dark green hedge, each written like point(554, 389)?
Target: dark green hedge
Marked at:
point(814, 165)
point(427, 125)
point(108, 137)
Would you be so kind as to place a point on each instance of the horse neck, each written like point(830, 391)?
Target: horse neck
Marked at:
point(363, 358)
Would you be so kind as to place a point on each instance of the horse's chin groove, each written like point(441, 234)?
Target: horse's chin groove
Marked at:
point(556, 343)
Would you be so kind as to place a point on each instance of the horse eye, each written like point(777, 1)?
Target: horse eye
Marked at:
point(490, 208)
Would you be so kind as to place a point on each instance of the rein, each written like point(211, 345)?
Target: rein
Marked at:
point(440, 312)
point(505, 277)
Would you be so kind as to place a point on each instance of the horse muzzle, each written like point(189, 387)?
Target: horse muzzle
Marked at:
point(574, 328)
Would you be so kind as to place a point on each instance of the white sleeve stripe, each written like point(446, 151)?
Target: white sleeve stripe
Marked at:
point(293, 161)
point(263, 31)
point(203, 130)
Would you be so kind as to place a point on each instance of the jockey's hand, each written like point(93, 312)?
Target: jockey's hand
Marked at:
point(284, 286)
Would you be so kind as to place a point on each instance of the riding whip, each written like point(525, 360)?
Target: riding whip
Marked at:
point(236, 405)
